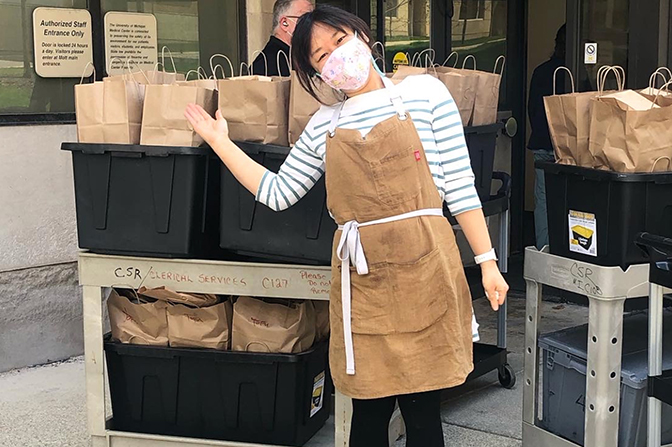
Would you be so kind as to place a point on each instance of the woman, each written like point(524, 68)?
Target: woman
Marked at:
point(401, 316)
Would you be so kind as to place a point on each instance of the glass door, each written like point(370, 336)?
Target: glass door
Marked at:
point(403, 26)
point(602, 22)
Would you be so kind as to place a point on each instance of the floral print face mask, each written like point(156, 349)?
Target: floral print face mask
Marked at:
point(348, 66)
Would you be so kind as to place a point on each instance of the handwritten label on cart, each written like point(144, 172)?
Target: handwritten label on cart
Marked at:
point(302, 283)
point(134, 274)
point(582, 278)
point(319, 283)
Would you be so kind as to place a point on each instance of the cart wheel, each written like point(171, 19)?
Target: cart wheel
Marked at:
point(507, 377)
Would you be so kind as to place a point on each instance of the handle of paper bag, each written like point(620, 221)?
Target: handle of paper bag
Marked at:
point(664, 157)
point(247, 347)
point(619, 73)
point(244, 65)
point(429, 57)
point(130, 71)
point(380, 44)
point(379, 58)
point(457, 58)
point(464, 62)
point(287, 58)
point(503, 59)
point(658, 72)
point(433, 67)
point(86, 67)
point(198, 75)
point(212, 67)
point(664, 88)
point(555, 74)
point(163, 58)
point(109, 66)
point(254, 56)
point(132, 289)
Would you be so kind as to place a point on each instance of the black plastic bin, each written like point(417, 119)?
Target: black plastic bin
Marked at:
point(225, 395)
point(146, 200)
point(615, 206)
point(482, 143)
point(302, 233)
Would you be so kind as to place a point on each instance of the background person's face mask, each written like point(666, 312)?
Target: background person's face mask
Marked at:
point(348, 66)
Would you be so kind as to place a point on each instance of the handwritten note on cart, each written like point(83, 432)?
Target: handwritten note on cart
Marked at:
point(239, 279)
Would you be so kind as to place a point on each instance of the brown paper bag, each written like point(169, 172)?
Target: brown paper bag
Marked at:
point(302, 106)
point(569, 124)
point(136, 322)
point(170, 296)
point(404, 71)
point(321, 320)
point(163, 121)
point(256, 108)
point(259, 326)
point(627, 140)
point(462, 87)
point(625, 136)
point(144, 77)
point(487, 95)
point(200, 327)
point(109, 112)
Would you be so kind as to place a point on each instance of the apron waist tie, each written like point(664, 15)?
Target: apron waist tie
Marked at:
point(350, 250)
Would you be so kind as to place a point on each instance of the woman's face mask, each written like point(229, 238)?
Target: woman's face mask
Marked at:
point(348, 66)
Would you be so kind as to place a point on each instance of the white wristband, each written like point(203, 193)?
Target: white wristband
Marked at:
point(485, 257)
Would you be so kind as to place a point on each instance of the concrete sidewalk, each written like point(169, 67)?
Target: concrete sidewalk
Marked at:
point(45, 406)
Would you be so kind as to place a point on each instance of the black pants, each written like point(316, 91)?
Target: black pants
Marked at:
point(421, 412)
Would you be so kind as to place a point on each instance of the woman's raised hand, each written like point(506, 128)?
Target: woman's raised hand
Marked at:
point(212, 130)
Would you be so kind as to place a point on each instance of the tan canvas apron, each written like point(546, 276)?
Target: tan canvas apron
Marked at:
point(405, 323)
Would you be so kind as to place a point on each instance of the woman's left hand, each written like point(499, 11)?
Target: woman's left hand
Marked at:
point(494, 284)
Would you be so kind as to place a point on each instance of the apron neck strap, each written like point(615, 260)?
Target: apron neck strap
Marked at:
point(395, 99)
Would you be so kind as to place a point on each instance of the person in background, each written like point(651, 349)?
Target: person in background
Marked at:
point(540, 140)
point(285, 15)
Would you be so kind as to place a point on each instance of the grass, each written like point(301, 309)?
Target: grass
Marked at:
point(14, 97)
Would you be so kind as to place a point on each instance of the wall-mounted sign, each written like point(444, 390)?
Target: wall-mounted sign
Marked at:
point(590, 53)
point(130, 37)
point(62, 42)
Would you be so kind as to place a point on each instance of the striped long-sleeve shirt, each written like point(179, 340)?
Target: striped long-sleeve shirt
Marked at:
point(436, 118)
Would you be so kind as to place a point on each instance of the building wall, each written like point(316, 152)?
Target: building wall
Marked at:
point(40, 305)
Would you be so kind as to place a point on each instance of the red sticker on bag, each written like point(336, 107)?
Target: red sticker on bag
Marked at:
point(417, 155)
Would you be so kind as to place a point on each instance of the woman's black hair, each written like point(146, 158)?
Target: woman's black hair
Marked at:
point(327, 15)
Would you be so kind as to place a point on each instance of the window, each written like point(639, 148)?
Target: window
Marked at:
point(193, 30)
point(392, 8)
point(472, 9)
point(21, 90)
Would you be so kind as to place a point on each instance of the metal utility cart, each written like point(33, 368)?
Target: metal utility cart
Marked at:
point(494, 357)
point(659, 381)
point(606, 288)
point(196, 276)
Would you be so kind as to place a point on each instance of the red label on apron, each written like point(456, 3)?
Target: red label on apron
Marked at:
point(417, 155)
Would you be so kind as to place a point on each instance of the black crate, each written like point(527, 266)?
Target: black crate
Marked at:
point(622, 205)
point(225, 395)
point(482, 142)
point(146, 200)
point(302, 233)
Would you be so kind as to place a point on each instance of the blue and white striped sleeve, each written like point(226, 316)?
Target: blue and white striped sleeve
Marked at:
point(460, 192)
point(300, 171)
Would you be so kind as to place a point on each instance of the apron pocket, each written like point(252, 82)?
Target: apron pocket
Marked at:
point(397, 177)
point(399, 298)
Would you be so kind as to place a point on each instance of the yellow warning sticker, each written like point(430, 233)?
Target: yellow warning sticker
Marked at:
point(583, 233)
point(399, 59)
point(317, 399)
